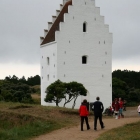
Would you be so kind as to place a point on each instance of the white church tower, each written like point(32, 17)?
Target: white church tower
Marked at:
point(78, 47)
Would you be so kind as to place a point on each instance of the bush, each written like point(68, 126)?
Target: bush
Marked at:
point(132, 104)
point(15, 92)
point(1, 98)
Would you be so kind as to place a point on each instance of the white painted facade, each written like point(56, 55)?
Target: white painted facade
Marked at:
point(71, 43)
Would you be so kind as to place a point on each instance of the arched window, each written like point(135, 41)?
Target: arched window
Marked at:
point(84, 27)
point(84, 59)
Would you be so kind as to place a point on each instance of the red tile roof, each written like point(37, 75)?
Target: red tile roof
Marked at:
point(50, 37)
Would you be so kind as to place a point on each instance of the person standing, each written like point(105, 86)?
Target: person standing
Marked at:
point(121, 108)
point(84, 114)
point(98, 108)
point(116, 107)
point(139, 110)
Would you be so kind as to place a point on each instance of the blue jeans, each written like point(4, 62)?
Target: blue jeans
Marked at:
point(120, 112)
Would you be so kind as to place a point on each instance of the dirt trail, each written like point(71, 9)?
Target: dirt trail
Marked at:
point(74, 133)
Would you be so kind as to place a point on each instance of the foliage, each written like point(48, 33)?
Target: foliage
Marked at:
point(36, 89)
point(73, 90)
point(132, 78)
point(118, 88)
point(33, 80)
point(17, 89)
point(69, 91)
point(55, 92)
point(15, 92)
point(134, 95)
point(125, 84)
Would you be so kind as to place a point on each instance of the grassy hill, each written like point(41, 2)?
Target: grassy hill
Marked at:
point(23, 121)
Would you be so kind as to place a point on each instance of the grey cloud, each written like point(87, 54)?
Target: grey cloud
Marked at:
point(123, 19)
point(23, 21)
point(20, 28)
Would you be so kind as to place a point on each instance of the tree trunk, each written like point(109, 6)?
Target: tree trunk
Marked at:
point(74, 103)
point(67, 102)
point(56, 102)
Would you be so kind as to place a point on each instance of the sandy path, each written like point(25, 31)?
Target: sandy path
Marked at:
point(74, 133)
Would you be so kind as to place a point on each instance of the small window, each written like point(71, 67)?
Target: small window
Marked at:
point(48, 60)
point(48, 77)
point(84, 59)
point(84, 27)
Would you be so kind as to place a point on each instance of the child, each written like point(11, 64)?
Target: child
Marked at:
point(84, 114)
point(111, 110)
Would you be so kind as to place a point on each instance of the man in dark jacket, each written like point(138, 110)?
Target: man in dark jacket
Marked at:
point(98, 108)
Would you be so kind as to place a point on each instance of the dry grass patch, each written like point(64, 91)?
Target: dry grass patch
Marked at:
point(48, 113)
point(33, 120)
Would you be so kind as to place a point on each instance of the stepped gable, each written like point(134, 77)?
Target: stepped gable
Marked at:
point(50, 37)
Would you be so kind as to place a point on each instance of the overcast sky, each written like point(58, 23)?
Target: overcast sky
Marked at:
point(22, 22)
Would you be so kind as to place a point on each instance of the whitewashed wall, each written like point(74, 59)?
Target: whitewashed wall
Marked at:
point(48, 50)
point(96, 44)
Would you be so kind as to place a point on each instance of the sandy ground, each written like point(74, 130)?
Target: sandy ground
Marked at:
point(74, 133)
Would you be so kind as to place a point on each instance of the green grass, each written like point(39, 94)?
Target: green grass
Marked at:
point(23, 127)
point(25, 121)
point(127, 132)
point(25, 132)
